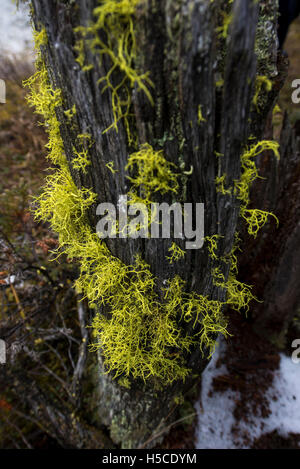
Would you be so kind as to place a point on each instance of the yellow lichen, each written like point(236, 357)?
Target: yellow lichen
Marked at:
point(223, 29)
point(45, 100)
point(220, 185)
point(81, 160)
point(212, 245)
point(139, 326)
point(70, 113)
point(110, 165)
point(260, 83)
point(255, 218)
point(176, 253)
point(151, 172)
point(112, 34)
point(139, 334)
point(200, 115)
point(238, 294)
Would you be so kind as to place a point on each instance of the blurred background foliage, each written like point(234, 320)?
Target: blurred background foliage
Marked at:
point(41, 319)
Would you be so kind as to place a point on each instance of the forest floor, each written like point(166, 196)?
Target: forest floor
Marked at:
point(33, 289)
point(250, 395)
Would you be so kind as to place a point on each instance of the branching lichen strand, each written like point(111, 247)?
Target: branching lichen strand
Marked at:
point(112, 35)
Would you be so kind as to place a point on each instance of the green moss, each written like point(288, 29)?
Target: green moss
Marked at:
point(179, 399)
point(187, 414)
point(256, 219)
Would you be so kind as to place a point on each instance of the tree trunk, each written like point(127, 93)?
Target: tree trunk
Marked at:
point(203, 60)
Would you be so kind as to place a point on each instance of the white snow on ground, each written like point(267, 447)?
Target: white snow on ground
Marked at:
point(285, 414)
point(15, 29)
point(215, 411)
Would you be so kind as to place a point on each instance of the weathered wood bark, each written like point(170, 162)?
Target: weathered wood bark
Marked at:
point(180, 46)
point(273, 265)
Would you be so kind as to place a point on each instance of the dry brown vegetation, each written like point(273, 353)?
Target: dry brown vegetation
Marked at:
point(41, 319)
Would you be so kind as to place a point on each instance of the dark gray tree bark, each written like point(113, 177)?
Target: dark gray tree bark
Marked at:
point(180, 46)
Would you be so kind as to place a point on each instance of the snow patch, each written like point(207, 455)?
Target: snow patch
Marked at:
point(285, 408)
point(16, 34)
point(215, 409)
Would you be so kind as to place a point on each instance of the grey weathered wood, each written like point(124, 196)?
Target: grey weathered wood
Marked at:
point(272, 262)
point(2, 92)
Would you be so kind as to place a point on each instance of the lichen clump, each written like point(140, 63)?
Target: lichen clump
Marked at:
point(139, 327)
point(139, 323)
point(151, 173)
point(254, 218)
point(238, 294)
